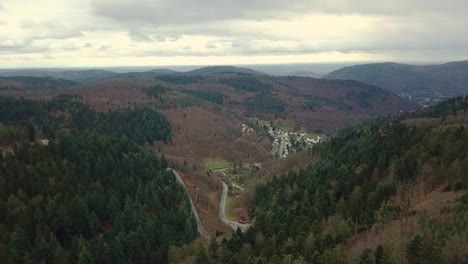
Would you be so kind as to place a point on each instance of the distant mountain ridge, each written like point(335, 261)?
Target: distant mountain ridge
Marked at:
point(82, 76)
point(93, 75)
point(223, 69)
point(34, 83)
point(451, 78)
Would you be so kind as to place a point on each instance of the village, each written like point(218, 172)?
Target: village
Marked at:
point(284, 142)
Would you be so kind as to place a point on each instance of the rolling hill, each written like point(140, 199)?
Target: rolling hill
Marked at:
point(34, 83)
point(94, 75)
point(360, 185)
point(450, 78)
point(222, 69)
point(391, 190)
point(82, 76)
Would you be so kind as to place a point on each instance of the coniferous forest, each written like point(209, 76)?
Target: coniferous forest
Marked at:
point(89, 193)
point(78, 186)
point(310, 216)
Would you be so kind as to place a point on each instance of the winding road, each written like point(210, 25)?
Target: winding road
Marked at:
point(200, 228)
point(222, 210)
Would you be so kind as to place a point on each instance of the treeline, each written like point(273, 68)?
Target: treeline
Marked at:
point(89, 198)
point(449, 107)
point(40, 83)
point(157, 91)
point(179, 79)
point(307, 217)
point(314, 102)
point(247, 83)
point(265, 101)
point(139, 124)
point(211, 96)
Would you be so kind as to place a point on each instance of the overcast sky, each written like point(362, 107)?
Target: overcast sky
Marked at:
point(56, 33)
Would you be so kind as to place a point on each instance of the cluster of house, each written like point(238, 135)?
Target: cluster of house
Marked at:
point(287, 142)
point(246, 130)
point(426, 98)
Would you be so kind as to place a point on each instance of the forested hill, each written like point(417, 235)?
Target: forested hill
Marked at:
point(367, 180)
point(395, 77)
point(140, 124)
point(21, 83)
point(87, 198)
point(75, 188)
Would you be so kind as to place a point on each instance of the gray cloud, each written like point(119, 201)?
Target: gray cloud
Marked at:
point(105, 48)
point(22, 48)
point(204, 28)
point(176, 12)
point(152, 35)
point(50, 29)
point(410, 25)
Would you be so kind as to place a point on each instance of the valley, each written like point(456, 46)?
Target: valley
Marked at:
point(425, 84)
point(258, 153)
point(233, 132)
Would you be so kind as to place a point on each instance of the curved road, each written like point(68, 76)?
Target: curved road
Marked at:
point(222, 212)
point(200, 227)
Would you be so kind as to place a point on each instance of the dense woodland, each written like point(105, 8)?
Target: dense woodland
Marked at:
point(157, 91)
point(40, 83)
point(307, 217)
point(211, 96)
point(140, 124)
point(93, 194)
point(88, 193)
point(265, 102)
point(180, 79)
point(88, 198)
point(247, 83)
point(314, 102)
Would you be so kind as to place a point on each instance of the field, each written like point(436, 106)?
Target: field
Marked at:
point(217, 164)
point(261, 122)
point(311, 135)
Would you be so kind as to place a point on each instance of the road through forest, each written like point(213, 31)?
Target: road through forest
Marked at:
point(201, 229)
point(222, 210)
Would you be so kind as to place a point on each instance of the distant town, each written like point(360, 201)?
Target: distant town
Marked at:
point(284, 142)
point(425, 98)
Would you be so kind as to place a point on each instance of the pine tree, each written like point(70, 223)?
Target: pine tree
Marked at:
point(85, 256)
point(18, 246)
point(213, 248)
point(202, 258)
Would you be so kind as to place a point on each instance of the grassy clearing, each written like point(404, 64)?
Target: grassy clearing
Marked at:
point(259, 121)
point(311, 135)
point(217, 164)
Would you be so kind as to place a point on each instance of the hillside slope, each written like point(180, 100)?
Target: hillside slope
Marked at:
point(313, 104)
point(75, 188)
point(449, 78)
point(34, 83)
point(82, 76)
point(392, 190)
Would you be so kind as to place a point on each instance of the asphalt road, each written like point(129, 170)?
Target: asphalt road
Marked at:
point(222, 212)
point(200, 227)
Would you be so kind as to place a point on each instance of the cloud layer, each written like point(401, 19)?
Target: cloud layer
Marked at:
point(151, 32)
